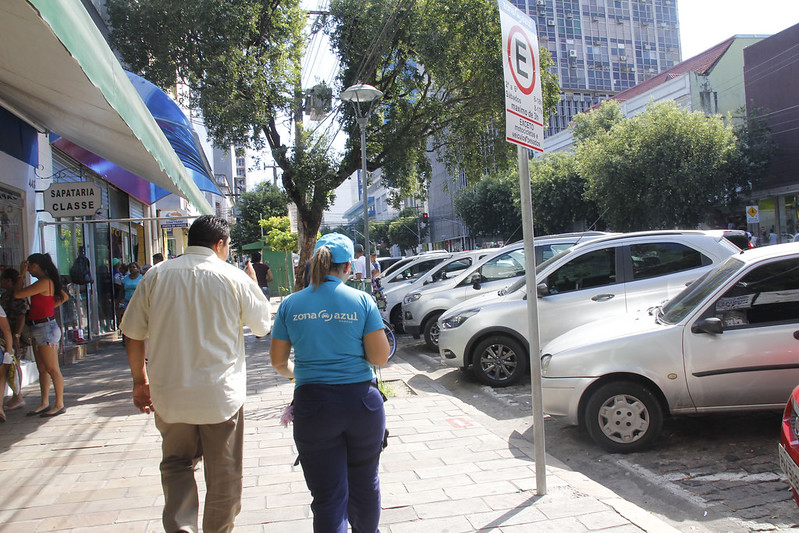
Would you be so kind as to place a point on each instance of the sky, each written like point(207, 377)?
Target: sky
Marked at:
point(705, 23)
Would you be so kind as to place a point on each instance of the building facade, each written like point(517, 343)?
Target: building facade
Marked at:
point(602, 47)
point(771, 77)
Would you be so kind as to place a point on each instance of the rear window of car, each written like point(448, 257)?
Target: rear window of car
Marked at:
point(651, 260)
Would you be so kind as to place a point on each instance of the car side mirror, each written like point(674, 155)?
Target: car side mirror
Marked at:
point(711, 325)
point(543, 289)
point(476, 281)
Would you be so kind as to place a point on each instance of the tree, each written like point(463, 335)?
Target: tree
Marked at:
point(488, 208)
point(438, 63)
point(660, 169)
point(559, 195)
point(601, 120)
point(402, 231)
point(264, 201)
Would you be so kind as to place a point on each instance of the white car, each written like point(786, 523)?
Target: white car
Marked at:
point(729, 342)
point(405, 272)
point(422, 307)
point(604, 277)
point(446, 269)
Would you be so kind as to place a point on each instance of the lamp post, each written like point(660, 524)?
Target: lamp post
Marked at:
point(363, 98)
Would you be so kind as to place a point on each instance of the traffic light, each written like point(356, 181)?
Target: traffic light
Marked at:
point(425, 218)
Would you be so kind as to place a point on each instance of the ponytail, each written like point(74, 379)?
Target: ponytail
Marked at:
point(321, 265)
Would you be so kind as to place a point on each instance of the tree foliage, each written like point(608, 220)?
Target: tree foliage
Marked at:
point(403, 231)
point(660, 169)
point(559, 196)
point(488, 208)
point(438, 62)
point(278, 234)
point(439, 65)
point(601, 120)
point(264, 201)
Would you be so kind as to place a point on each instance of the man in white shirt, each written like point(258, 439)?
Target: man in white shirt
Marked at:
point(192, 310)
point(359, 266)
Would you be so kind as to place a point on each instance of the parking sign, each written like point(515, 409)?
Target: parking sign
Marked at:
point(524, 107)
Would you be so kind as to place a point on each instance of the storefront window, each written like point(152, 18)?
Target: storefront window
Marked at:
point(10, 229)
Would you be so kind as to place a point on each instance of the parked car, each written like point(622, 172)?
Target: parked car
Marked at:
point(422, 307)
point(729, 342)
point(604, 277)
point(446, 269)
point(386, 262)
point(789, 443)
point(405, 261)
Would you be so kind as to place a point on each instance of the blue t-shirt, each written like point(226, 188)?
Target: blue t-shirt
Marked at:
point(129, 284)
point(326, 328)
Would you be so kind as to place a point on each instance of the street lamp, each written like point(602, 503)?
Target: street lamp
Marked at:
point(363, 98)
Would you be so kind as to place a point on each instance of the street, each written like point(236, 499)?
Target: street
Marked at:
point(706, 473)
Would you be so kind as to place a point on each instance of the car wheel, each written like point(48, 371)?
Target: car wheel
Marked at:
point(431, 331)
point(623, 417)
point(395, 317)
point(499, 361)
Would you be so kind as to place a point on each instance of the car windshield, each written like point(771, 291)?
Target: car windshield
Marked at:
point(681, 305)
point(519, 283)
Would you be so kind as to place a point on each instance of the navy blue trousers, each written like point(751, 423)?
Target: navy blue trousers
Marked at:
point(338, 430)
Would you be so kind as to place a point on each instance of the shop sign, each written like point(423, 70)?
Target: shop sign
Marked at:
point(179, 219)
point(77, 199)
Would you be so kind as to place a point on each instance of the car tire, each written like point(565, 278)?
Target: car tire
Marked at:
point(499, 361)
point(623, 417)
point(395, 317)
point(431, 331)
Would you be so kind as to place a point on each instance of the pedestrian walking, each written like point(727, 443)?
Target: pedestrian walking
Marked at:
point(339, 420)
point(263, 273)
point(45, 295)
point(17, 313)
point(192, 309)
point(7, 363)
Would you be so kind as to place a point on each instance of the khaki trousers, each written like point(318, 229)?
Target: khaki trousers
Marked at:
point(220, 446)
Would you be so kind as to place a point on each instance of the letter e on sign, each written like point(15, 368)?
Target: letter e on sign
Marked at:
point(521, 60)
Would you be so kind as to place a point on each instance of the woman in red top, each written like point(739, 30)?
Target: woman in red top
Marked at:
point(45, 295)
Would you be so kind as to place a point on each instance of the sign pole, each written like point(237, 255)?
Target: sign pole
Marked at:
point(524, 117)
point(539, 443)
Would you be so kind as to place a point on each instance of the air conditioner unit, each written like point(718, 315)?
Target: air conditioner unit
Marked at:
point(572, 53)
point(622, 58)
point(539, 2)
point(550, 22)
point(651, 70)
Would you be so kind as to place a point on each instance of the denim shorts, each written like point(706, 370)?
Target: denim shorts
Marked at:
point(46, 333)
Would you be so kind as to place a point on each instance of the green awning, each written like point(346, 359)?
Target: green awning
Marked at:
point(58, 73)
point(257, 245)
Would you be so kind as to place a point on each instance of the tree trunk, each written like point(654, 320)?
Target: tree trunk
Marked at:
point(310, 223)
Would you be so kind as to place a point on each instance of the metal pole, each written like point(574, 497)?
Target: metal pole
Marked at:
point(367, 249)
point(532, 313)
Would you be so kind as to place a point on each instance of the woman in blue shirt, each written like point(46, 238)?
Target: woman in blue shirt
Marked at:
point(339, 421)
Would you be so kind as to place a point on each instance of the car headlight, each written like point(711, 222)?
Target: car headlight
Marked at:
point(545, 359)
point(456, 320)
point(795, 419)
point(412, 297)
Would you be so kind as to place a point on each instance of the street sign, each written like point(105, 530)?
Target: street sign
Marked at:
point(76, 199)
point(524, 106)
point(752, 214)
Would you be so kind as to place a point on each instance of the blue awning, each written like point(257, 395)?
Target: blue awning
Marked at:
point(178, 131)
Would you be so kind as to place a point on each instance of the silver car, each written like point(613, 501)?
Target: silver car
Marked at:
point(729, 342)
point(605, 277)
point(422, 307)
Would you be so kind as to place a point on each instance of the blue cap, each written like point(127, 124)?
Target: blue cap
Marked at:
point(340, 246)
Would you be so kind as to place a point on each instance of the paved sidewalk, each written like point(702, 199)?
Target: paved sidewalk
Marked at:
point(95, 468)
